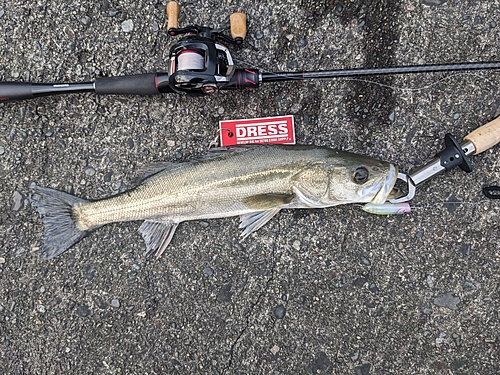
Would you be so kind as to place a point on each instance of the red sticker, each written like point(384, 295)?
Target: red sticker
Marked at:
point(276, 130)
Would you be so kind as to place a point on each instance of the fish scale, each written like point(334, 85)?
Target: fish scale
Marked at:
point(253, 182)
point(187, 192)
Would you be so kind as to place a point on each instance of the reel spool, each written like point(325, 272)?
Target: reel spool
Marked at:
point(190, 60)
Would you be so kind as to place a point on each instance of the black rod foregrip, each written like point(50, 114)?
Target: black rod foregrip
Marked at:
point(27, 90)
point(140, 84)
point(15, 91)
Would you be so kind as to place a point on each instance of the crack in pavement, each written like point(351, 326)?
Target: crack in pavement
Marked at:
point(253, 305)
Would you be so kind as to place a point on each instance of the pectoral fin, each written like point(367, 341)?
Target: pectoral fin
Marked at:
point(255, 220)
point(268, 201)
point(157, 235)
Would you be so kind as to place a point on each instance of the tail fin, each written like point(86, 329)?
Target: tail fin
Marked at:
point(55, 210)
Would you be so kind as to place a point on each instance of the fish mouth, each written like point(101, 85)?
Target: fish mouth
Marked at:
point(387, 190)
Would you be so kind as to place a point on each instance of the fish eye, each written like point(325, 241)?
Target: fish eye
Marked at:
point(360, 175)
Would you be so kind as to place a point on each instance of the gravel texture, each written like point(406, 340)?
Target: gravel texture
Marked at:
point(331, 291)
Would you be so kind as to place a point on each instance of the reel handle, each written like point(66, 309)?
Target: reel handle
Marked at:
point(238, 23)
point(173, 10)
point(485, 136)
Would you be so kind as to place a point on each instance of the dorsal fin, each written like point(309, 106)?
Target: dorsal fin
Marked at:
point(150, 170)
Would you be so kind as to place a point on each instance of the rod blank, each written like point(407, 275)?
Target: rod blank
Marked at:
point(329, 74)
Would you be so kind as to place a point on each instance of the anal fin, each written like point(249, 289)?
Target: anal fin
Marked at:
point(255, 220)
point(157, 235)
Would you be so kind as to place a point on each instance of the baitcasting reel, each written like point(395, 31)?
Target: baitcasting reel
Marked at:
point(201, 65)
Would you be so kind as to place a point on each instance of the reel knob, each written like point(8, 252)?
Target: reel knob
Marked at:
point(238, 23)
point(173, 10)
point(209, 88)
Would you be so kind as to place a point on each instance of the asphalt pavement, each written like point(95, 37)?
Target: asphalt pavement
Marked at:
point(326, 291)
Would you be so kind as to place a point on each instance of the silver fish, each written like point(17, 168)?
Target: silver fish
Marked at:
point(253, 182)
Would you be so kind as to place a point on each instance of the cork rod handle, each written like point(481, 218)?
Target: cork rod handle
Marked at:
point(173, 9)
point(238, 23)
point(485, 137)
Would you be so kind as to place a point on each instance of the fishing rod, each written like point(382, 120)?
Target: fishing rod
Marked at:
point(199, 64)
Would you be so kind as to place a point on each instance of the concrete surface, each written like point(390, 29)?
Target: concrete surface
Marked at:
point(333, 291)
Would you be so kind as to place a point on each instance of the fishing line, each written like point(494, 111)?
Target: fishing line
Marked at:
point(190, 60)
point(388, 211)
point(400, 88)
point(437, 204)
point(214, 142)
point(424, 87)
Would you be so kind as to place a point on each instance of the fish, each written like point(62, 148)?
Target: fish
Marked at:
point(253, 182)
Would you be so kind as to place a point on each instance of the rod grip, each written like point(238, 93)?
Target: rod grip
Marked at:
point(173, 9)
point(141, 84)
point(238, 23)
point(15, 91)
point(485, 137)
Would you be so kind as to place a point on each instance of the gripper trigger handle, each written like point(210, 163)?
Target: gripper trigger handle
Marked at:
point(485, 137)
